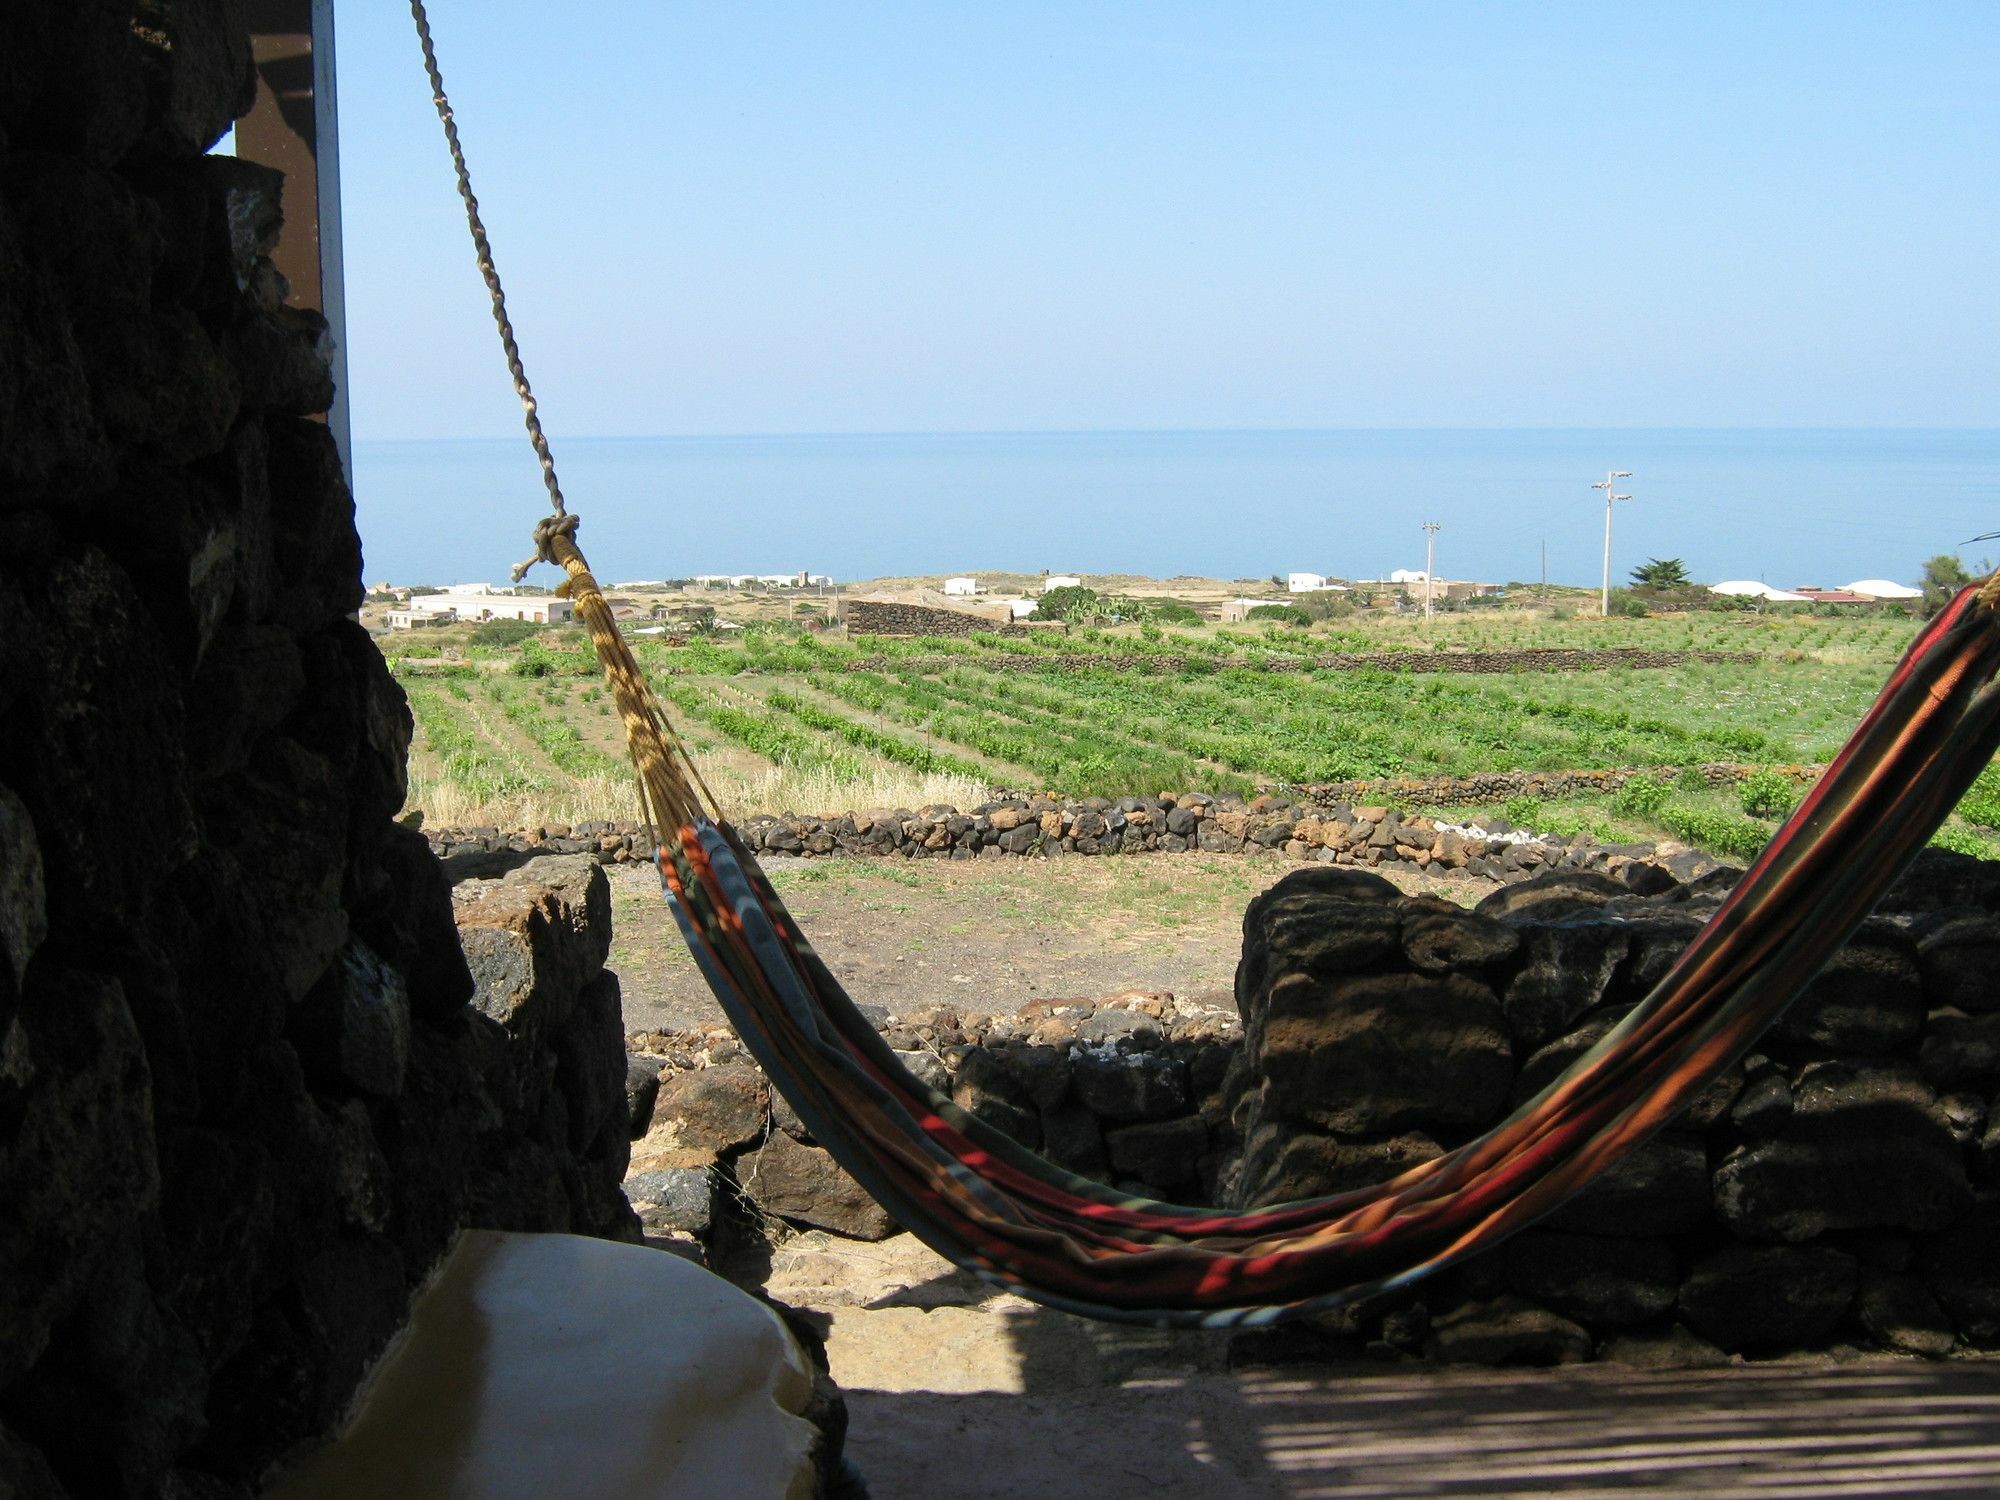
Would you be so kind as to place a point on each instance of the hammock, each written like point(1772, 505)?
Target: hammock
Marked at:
point(991, 1206)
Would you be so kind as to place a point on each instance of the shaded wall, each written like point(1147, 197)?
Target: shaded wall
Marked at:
point(244, 1102)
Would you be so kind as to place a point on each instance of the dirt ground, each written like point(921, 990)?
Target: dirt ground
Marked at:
point(983, 935)
point(957, 1389)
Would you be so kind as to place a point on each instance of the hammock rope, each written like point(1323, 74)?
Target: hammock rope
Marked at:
point(991, 1206)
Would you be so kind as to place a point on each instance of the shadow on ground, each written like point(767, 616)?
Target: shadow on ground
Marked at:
point(1110, 1412)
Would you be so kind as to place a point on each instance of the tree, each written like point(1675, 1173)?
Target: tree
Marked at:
point(1944, 576)
point(1661, 573)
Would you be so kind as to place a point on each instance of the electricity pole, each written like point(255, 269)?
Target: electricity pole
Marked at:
point(1609, 484)
point(1430, 546)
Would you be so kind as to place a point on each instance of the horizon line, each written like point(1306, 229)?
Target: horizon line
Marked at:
point(920, 432)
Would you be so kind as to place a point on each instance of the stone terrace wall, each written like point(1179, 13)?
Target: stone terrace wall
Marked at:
point(1531, 659)
point(1046, 827)
point(873, 617)
point(1840, 1186)
point(244, 1101)
point(1498, 786)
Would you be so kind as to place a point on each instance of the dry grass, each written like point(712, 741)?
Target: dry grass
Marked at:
point(780, 789)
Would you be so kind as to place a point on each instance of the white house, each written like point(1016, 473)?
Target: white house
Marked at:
point(421, 616)
point(1750, 588)
point(1060, 581)
point(962, 588)
point(1882, 588)
point(481, 589)
point(1312, 583)
point(1020, 609)
point(537, 609)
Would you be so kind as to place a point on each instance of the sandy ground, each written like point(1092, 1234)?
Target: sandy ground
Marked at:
point(984, 935)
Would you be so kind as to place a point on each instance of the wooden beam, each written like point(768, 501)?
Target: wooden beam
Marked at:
point(294, 126)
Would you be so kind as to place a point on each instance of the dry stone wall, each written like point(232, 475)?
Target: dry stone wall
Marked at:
point(1035, 826)
point(874, 617)
point(1126, 1088)
point(1485, 663)
point(249, 1086)
point(1840, 1185)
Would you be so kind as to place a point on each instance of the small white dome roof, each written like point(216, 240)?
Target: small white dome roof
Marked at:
point(1882, 588)
point(1750, 588)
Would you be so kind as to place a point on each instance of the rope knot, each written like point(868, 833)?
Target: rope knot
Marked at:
point(546, 531)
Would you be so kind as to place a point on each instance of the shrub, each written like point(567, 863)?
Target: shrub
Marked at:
point(1691, 780)
point(503, 632)
point(1523, 812)
point(1767, 794)
point(1718, 833)
point(1642, 797)
point(1278, 614)
point(1060, 604)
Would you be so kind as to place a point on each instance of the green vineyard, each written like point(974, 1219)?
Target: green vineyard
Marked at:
point(782, 718)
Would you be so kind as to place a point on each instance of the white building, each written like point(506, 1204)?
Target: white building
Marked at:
point(421, 616)
point(769, 580)
point(1020, 609)
point(962, 588)
point(537, 609)
point(1060, 581)
point(1312, 583)
point(1751, 588)
point(480, 589)
point(1882, 588)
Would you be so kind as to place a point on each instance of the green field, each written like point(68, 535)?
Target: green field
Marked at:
point(787, 720)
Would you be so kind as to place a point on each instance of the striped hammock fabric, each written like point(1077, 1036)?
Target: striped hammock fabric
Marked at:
point(995, 1208)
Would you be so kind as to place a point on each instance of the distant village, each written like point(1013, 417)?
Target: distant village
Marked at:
point(419, 607)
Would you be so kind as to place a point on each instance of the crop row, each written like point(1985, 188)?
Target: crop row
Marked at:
point(554, 736)
point(469, 761)
point(1064, 754)
point(866, 737)
point(762, 733)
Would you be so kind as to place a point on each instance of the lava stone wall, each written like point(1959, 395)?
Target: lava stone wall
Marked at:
point(244, 1102)
point(1127, 1088)
point(1841, 1185)
point(874, 617)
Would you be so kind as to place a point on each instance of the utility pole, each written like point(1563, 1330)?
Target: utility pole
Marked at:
point(1609, 484)
point(1430, 547)
point(1545, 569)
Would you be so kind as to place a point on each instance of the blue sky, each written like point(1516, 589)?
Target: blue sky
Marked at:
point(792, 218)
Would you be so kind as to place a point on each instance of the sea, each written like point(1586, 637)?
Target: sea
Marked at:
point(1816, 507)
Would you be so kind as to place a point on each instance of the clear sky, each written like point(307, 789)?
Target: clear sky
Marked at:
point(886, 217)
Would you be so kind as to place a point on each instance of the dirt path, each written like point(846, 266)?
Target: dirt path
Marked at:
point(986, 935)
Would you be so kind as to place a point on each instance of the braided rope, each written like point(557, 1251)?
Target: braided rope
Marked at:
point(484, 251)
